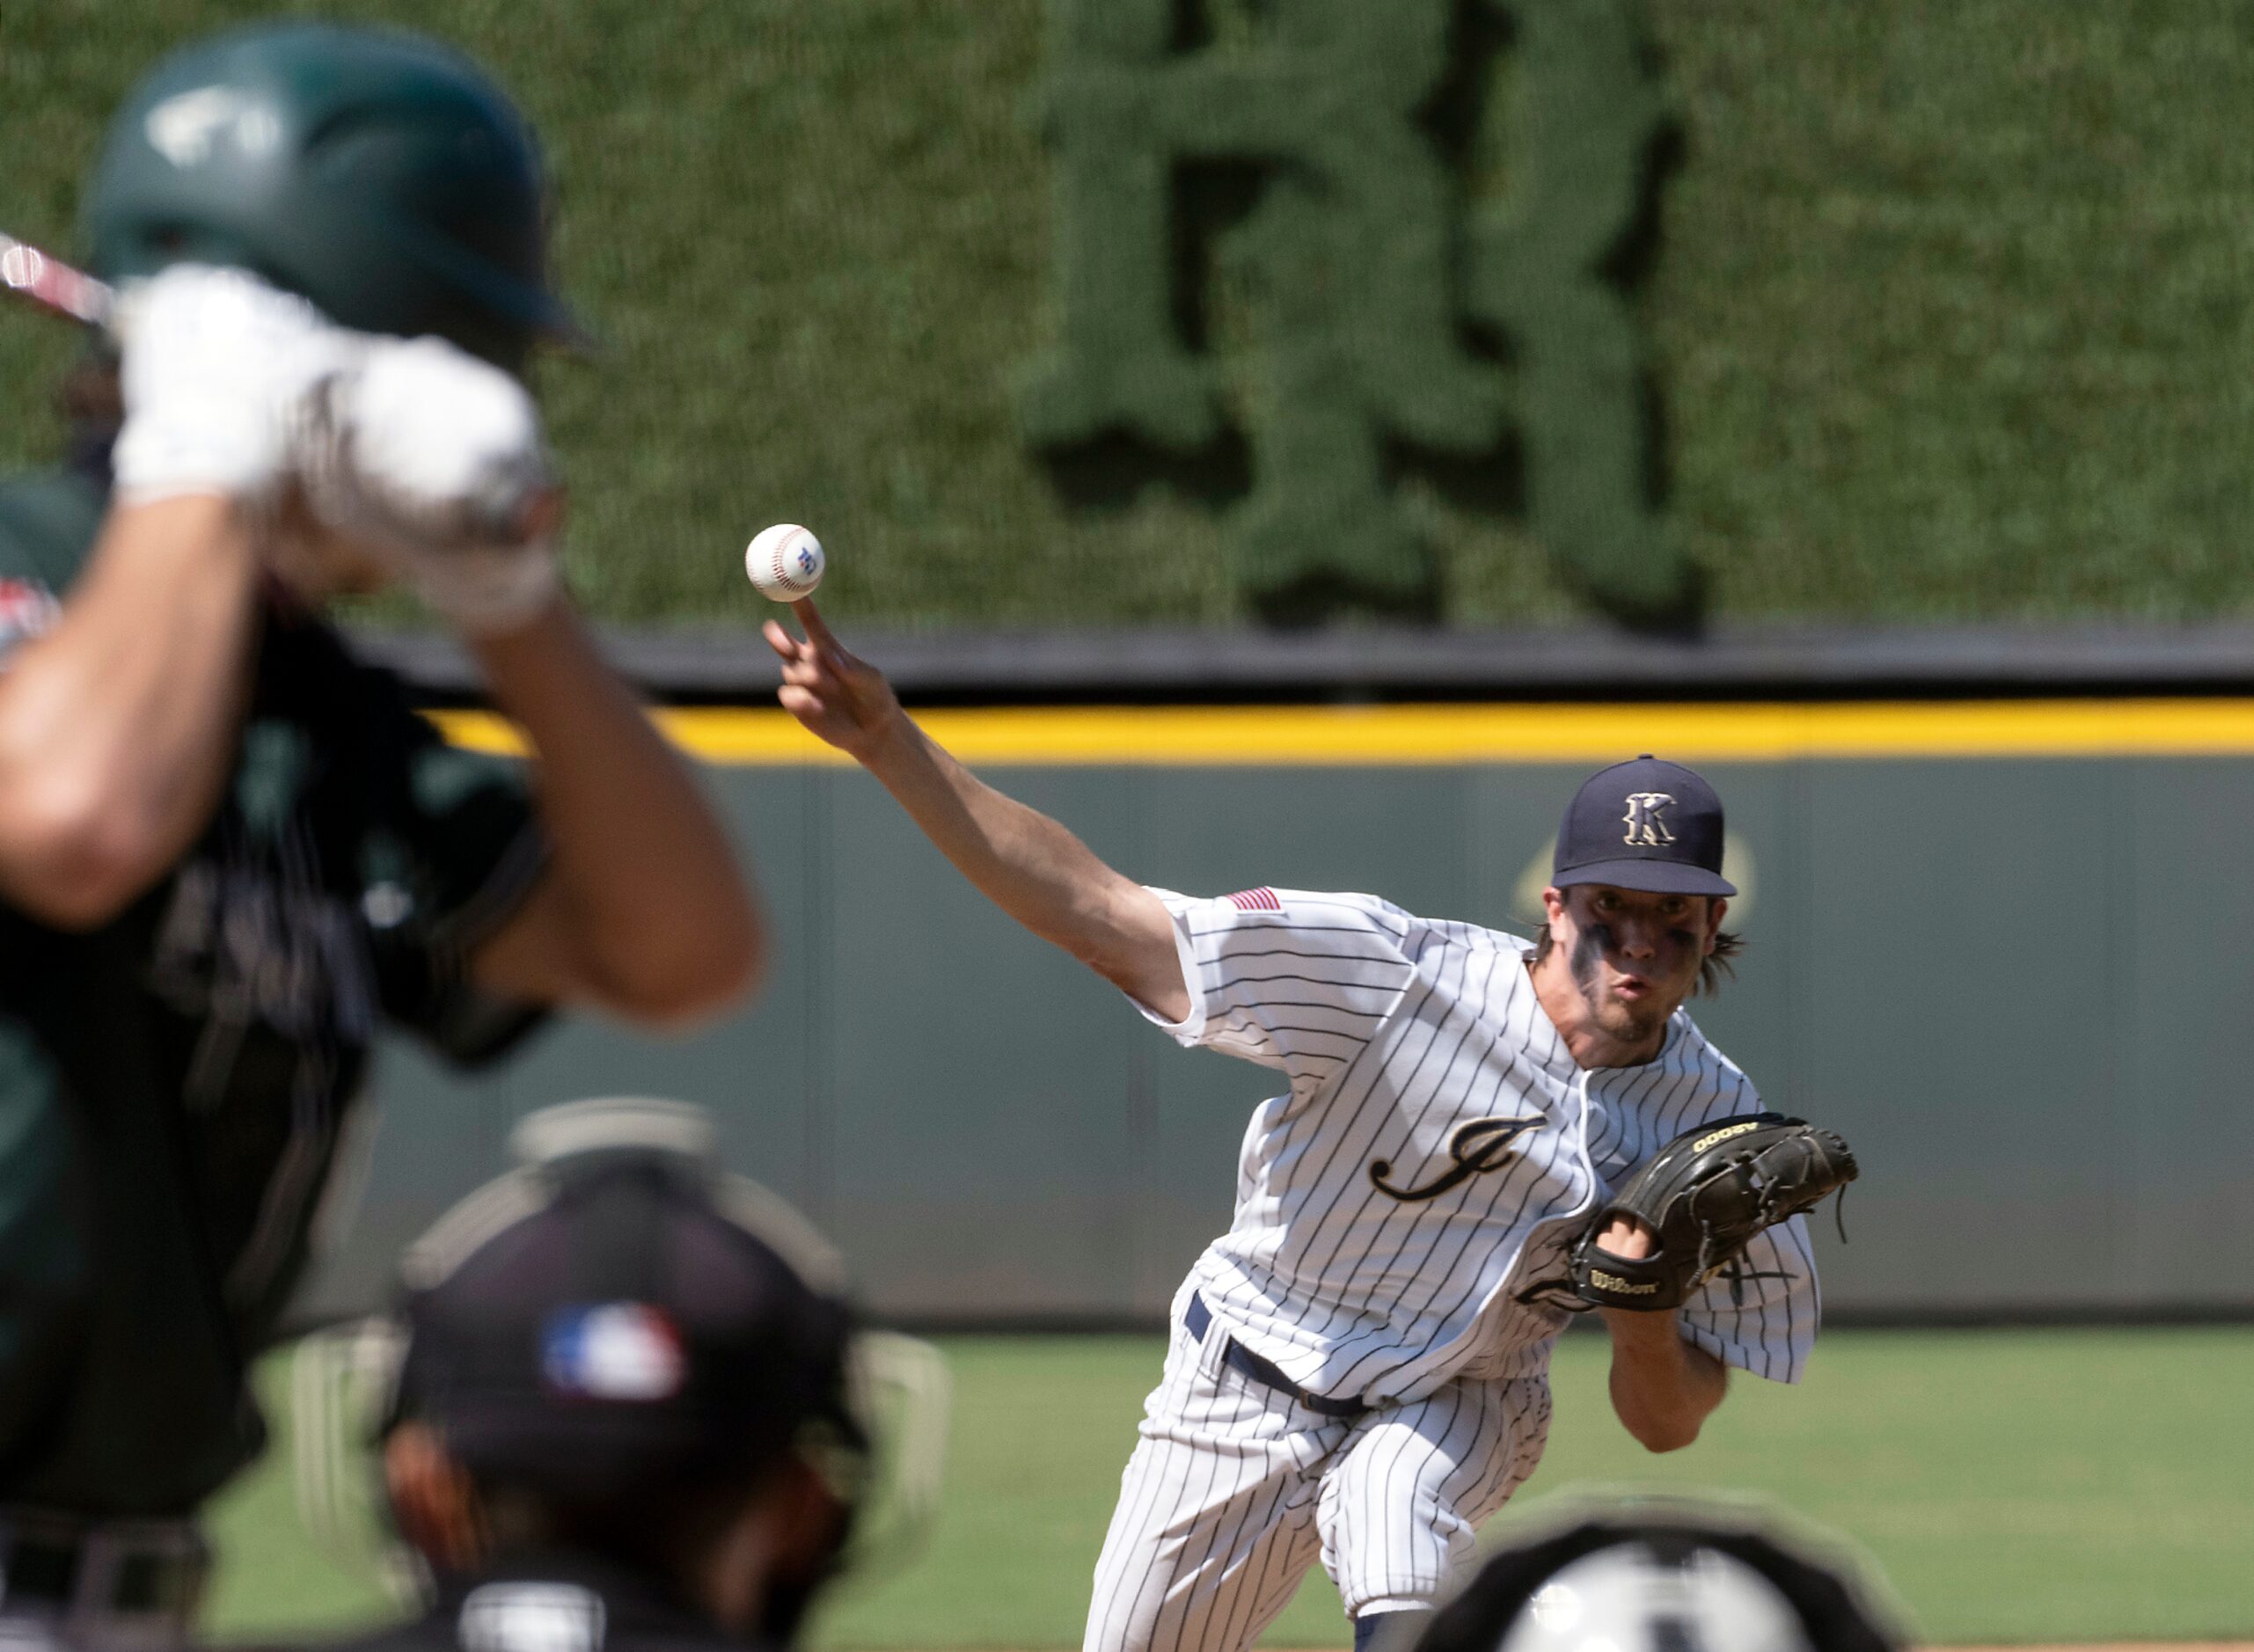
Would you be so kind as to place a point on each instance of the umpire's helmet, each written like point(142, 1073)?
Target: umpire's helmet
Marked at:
point(377, 172)
point(621, 1312)
point(618, 1322)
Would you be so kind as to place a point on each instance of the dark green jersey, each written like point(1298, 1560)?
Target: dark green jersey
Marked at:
point(173, 1084)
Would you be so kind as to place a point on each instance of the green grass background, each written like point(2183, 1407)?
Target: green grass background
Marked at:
point(2012, 1485)
point(1951, 315)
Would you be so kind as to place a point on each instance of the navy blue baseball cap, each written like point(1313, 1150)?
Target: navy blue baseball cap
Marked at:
point(1647, 825)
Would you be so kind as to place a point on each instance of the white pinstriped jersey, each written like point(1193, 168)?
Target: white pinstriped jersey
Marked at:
point(1434, 1148)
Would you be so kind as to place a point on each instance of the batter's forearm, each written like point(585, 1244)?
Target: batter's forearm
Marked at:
point(1663, 1387)
point(661, 921)
point(1035, 869)
point(118, 727)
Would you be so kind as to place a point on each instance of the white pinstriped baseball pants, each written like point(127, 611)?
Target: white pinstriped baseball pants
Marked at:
point(1235, 1490)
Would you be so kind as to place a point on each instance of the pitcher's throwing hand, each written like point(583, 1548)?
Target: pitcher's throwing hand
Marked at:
point(839, 698)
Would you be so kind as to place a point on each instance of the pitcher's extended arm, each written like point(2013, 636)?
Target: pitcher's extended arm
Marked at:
point(1024, 862)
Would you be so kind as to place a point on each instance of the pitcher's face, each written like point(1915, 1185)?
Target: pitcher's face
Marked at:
point(1633, 954)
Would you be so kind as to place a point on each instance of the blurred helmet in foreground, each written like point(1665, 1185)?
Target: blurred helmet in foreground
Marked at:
point(374, 172)
point(1662, 1575)
point(1658, 1596)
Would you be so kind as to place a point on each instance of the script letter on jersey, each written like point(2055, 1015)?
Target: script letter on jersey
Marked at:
point(1476, 1145)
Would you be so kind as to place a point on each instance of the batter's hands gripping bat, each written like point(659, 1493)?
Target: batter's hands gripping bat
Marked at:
point(49, 280)
point(469, 519)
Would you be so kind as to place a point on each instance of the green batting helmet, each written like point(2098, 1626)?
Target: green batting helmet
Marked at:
point(377, 172)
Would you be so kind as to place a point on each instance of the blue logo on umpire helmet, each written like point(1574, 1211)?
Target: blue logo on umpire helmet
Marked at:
point(612, 1350)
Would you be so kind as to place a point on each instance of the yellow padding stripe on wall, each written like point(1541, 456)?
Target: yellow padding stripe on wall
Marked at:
point(1359, 736)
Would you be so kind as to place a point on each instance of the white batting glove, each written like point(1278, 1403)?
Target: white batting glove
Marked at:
point(215, 365)
point(435, 460)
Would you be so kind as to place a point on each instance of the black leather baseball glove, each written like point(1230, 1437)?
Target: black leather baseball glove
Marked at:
point(1704, 1195)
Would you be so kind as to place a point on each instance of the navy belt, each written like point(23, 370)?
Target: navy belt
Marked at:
point(1197, 1318)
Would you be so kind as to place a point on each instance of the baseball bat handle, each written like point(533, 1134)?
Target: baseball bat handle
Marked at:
point(47, 280)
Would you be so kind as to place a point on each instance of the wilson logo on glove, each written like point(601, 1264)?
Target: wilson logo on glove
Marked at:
point(1623, 1286)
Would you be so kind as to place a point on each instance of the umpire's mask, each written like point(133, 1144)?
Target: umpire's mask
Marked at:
point(618, 1314)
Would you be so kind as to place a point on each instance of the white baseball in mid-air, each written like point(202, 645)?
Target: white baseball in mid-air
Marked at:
point(785, 562)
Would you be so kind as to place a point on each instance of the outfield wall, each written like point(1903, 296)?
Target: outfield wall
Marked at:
point(1946, 304)
point(2001, 947)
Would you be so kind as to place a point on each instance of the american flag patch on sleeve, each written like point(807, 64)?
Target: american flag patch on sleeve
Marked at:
point(27, 610)
point(1261, 900)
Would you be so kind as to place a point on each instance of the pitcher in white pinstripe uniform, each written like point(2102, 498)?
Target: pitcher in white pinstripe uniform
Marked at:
point(1353, 1376)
